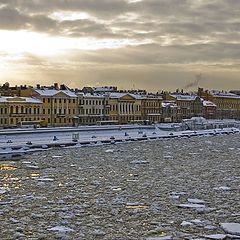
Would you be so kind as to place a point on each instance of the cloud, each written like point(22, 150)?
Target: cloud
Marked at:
point(187, 36)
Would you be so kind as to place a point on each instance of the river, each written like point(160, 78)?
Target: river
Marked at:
point(164, 189)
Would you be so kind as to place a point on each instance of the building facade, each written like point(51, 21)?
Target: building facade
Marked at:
point(151, 107)
point(59, 105)
point(92, 108)
point(227, 104)
point(188, 106)
point(14, 111)
point(125, 108)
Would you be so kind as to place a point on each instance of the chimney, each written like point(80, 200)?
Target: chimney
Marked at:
point(56, 86)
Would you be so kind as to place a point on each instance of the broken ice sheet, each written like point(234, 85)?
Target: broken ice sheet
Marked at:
point(60, 229)
point(222, 188)
point(231, 228)
point(56, 156)
point(216, 236)
point(139, 162)
point(195, 200)
point(109, 151)
point(191, 205)
point(3, 190)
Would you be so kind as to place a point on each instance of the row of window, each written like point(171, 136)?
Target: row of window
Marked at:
point(153, 104)
point(125, 107)
point(58, 100)
point(59, 111)
point(92, 102)
point(20, 110)
point(93, 111)
point(17, 120)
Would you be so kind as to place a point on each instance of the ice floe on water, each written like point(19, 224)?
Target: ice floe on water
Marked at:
point(215, 236)
point(139, 162)
point(4, 190)
point(160, 238)
point(192, 205)
point(231, 228)
point(109, 151)
point(222, 188)
point(61, 229)
point(186, 223)
point(195, 200)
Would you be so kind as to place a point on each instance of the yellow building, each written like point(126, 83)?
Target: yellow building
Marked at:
point(187, 105)
point(227, 104)
point(15, 111)
point(152, 108)
point(125, 108)
point(59, 106)
point(92, 108)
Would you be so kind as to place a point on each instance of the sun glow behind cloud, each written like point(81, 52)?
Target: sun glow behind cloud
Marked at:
point(15, 42)
point(65, 15)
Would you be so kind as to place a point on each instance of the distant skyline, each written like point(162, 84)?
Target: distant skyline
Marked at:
point(141, 44)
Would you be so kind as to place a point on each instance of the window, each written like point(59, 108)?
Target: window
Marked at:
point(49, 100)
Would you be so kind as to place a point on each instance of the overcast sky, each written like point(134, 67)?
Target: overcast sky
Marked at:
point(144, 44)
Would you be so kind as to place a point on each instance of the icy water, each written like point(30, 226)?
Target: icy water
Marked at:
point(165, 189)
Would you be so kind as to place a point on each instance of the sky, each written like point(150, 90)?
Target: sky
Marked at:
point(133, 44)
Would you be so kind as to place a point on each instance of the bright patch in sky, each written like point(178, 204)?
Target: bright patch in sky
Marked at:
point(62, 16)
point(15, 42)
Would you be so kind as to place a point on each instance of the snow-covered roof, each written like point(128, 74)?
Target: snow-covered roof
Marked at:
point(223, 94)
point(90, 95)
point(51, 92)
point(208, 104)
point(153, 97)
point(169, 104)
point(120, 95)
point(105, 89)
point(184, 97)
point(9, 99)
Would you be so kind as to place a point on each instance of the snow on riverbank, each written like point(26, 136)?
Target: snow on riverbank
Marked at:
point(31, 141)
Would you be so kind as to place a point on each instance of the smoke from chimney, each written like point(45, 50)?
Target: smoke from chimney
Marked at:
point(195, 83)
